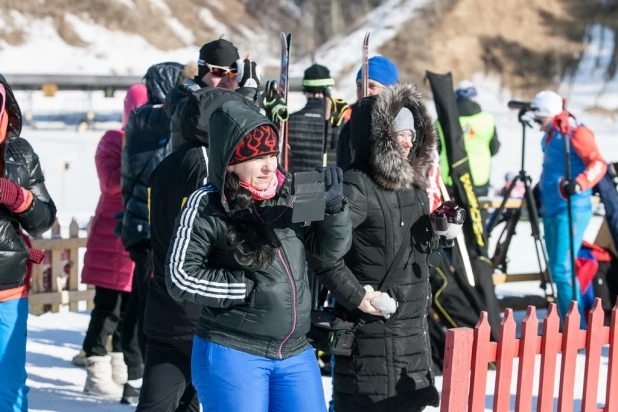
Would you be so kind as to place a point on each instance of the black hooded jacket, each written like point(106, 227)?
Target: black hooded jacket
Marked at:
point(21, 165)
point(390, 368)
point(147, 143)
point(265, 312)
point(171, 183)
point(176, 110)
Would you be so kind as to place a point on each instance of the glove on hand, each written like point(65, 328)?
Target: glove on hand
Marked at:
point(384, 303)
point(118, 228)
point(338, 111)
point(276, 108)
point(569, 188)
point(333, 183)
point(248, 73)
point(11, 194)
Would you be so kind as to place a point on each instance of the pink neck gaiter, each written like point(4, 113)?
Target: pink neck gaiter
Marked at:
point(270, 191)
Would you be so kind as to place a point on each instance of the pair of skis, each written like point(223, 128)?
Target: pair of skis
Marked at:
point(284, 86)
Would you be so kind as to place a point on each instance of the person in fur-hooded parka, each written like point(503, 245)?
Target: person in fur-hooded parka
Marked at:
point(390, 367)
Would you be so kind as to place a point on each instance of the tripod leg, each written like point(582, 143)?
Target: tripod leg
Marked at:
point(494, 220)
point(538, 242)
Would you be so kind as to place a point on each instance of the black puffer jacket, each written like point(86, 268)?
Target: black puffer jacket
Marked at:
point(176, 107)
point(306, 138)
point(264, 312)
point(171, 183)
point(390, 369)
point(21, 165)
point(147, 143)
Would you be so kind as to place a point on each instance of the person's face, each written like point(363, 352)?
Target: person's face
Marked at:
point(373, 88)
point(223, 81)
point(543, 123)
point(406, 140)
point(258, 172)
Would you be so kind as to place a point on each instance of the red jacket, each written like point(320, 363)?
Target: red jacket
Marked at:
point(106, 263)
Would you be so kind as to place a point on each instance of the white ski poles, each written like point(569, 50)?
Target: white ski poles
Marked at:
point(461, 243)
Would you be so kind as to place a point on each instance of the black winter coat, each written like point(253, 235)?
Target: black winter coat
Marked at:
point(171, 183)
point(306, 138)
point(21, 165)
point(147, 135)
point(390, 368)
point(175, 108)
point(264, 312)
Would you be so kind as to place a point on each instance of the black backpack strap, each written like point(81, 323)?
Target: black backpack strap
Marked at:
point(395, 263)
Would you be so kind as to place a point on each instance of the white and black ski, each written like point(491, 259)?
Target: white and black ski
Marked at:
point(283, 92)
point(365, 65)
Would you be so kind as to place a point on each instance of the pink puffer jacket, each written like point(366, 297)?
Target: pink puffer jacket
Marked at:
point(106, 263)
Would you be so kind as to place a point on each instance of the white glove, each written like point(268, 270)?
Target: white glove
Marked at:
point(384, 302)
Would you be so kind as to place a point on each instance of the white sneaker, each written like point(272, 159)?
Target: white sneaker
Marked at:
point(120, 373)
point(99, 380)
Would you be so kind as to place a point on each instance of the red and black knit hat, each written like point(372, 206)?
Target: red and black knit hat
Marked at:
point(261, 141)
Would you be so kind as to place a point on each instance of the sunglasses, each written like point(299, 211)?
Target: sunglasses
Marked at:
point(218, 71)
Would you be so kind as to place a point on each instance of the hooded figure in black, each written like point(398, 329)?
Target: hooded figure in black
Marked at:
point(170, 325)
point(147, 144)
point(24, 204)
point(390, 368)
point(236, 252)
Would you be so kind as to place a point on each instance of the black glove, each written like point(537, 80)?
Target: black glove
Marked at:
point(569, 188)
point(276, 108)
point(338, 111)
point(248, 73)
point(333, 183)
point(118, 228)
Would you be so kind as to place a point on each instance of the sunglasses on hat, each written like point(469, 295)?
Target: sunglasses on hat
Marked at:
point(218, 71)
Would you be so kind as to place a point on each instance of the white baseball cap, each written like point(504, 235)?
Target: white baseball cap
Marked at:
point(547, 103)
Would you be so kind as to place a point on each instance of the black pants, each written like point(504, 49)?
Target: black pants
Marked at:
point(167, 377)
point(133, 323)
point(106, 319)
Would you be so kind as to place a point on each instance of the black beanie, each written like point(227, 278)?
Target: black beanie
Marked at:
point(219, 53)
point(316, 78)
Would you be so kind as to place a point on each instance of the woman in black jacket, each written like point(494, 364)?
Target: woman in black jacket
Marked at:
point(390, 367)
point(24, 203)
point(236, 251)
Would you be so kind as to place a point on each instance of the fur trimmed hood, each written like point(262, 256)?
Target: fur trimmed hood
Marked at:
point(373, 140)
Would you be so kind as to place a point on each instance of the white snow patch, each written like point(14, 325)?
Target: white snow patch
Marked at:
point(128, 3)
point(589, 86)
point(182, 32)
point(216, 4)
point(161, 4)
point(342, 53)
point(208, 19)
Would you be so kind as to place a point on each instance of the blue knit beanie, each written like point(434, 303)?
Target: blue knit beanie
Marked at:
point(381, 70)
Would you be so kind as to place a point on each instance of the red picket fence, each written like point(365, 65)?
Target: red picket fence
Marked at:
point(468, 353)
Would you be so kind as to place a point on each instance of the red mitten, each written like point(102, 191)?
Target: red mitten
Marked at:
point(11, 194)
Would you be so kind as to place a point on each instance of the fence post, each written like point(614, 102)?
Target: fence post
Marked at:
point(56, 266)
point(504, 362)
point(593, 356)
point(611, 393)
point(570, 339)
point(456, 372)
point(527, 355)
point(480, 362)
point(550, 345)
point(73, 282)
point(89, 302)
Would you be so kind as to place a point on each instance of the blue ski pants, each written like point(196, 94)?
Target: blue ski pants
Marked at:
point(556, 228)
point(13, 330)
point(228, 380)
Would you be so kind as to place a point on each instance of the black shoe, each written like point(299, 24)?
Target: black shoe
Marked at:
point(130, 395)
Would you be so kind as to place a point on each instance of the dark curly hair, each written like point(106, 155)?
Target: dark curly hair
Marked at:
point(247, 235)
